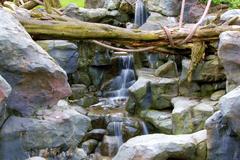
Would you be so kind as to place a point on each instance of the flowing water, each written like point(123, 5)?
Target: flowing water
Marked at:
point(144, 128)
point(141, 14)
point(117, 126)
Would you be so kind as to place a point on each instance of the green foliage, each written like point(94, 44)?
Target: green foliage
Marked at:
point(80, 3)
point(231, 3)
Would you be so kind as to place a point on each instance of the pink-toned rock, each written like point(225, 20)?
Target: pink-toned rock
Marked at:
point(35, 78)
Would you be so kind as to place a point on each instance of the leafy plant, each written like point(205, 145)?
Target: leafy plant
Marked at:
point(231, 3)
point(80, 3)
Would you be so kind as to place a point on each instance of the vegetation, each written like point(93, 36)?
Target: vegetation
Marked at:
point(80, 3)
point(231, 3)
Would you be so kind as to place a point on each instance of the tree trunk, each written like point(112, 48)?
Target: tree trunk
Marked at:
point(83, 30)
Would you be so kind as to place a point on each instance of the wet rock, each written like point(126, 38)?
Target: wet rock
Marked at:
point(165, 7)
point(78, 91)
point(96, 134)
point(109, 146)
point(55, 128)
point(65, 53)
point(229, 55)
point(112, 4)
point(217, 95)
point(81, 77)
point(94, 3)
point(189, 115)
point(79, 154)
point(231, 14)
point(155, 22)
point(101, 59)
point(87, 100)
point(161, 120)
point(5, 90)
point(90, 145)
point(167, 70)
point(89, 15)
point(208, 71)
point(35, 78)
point(163, 147)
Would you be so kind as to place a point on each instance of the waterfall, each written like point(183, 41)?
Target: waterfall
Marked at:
point(144, 128)
point(124, 80)
point(141, 13)
point(117, 126)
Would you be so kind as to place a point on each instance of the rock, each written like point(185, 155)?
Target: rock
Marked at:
point(35, 78)
point(155, 22)
point(165, 7)
point(109, 146)
point(36, 158)
point(231, 14)
point(96, 134)
point(55, 128)
point(229, 55)
point(161, 120)
point(78, 91)
point(167, 70)
point(193, 12)
point(81, 77)
point(217, 95)
point(208, 71)
point(101, 59)
point(90, 145)
point(151, 92)
point(222, 142)
point(87, 100)
point(112, 4)
point(127, 6)
point(189, 89)
point(5, 90)
point(89, 15)
point(163, 147)
point(189, 115)
point(79, 154)
point(94, 3)
point(65, 53)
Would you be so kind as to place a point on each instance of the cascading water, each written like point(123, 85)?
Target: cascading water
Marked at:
point(141, 14)
point(117, 126)
point(144, 128)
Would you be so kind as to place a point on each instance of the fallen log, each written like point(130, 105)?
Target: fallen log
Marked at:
point(77, 30)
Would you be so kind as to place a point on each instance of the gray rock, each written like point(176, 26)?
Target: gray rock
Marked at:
point(229, 55)
point(101, 59)
point(36, 158)
point(5, 90)
point(217, 95)
point(231, 14)
point(109, 146)
point(207, 71)
point(79, 154)
point(65, 53)
point(59, 128)
point(163, 147)
point(86, 101)
point(112, 4)
point(90, 145)
point(161, 120)
point(94, 3)
point(89, 15)
point(96, 134)
point(78, 91)
point(165, 7)
point(167, 70)
point(156, 21)
point(189, 115)
point(35, 78)
point(222, 142)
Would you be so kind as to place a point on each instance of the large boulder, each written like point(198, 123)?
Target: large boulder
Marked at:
point(59, 127)
point(64, 52)
point(164, 147)
point(189, 115)
point(228, 52)
point(223, 128)
point(35, 78)
point(94, 3)
point(231, 14)
point(5, 90)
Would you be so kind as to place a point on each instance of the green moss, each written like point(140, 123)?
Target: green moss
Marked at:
point(231, 3)
point(80, 3)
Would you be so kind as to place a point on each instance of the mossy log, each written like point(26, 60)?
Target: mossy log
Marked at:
point(78, 30)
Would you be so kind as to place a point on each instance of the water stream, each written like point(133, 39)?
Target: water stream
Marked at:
point(141, 14)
